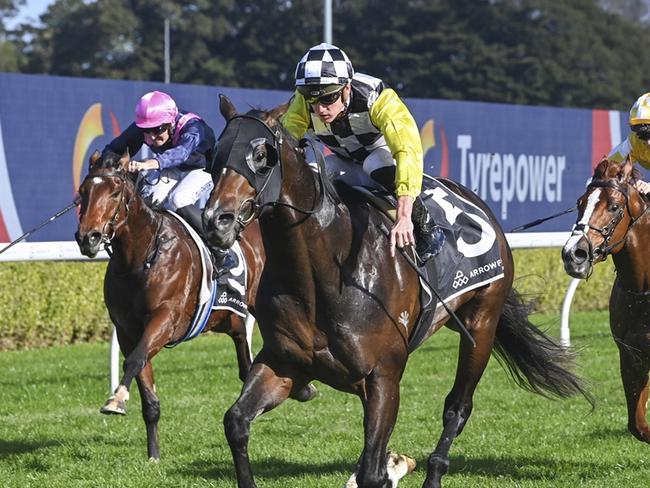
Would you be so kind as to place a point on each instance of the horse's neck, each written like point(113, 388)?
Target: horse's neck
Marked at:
point(134, 239)
point(295, 241)
point(633, 261)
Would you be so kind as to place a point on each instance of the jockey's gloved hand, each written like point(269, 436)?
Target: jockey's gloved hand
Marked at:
point(223, 260)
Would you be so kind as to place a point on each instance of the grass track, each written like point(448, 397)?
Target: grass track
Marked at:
point(51, 434)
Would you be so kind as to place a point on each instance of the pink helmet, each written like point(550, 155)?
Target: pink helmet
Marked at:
point(154, 109)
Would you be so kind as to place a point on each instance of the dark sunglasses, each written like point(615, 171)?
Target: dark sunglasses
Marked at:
point(327, 99)
point(156, 131)
point(644, 136)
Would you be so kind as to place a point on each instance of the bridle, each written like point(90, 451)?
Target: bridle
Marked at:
point(110, 228)
point(267, 191)
point(606, 232)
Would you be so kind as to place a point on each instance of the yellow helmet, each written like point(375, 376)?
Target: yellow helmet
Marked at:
point(640, 111)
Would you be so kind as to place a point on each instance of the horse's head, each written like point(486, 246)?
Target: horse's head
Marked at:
point(246, 170)
point(606, 211)
point(105, 194)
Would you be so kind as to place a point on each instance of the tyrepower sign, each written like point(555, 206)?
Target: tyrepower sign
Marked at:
point(525, 162)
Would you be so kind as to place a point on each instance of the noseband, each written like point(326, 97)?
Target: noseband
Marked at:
point(606, 232)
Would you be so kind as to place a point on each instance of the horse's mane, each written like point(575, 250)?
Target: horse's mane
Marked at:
point(265, 114)
point(601, 173)
point(109, 160)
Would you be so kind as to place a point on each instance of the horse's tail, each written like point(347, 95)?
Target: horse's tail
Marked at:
point(535, 361)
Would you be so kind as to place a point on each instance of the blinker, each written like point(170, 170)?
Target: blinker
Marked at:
point(250, 147)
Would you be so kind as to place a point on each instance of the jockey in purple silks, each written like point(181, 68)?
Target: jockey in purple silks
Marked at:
point(181, 143)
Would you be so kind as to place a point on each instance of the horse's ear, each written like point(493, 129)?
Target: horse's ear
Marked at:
point(601, 168)
point(94, 157)
point(226, 107)
point(279, 111)
point(627, 168)
point(123, 163)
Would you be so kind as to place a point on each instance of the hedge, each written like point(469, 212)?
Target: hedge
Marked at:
point(46, 303)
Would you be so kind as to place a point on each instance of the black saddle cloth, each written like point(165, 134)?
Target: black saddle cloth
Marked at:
point(469, 259)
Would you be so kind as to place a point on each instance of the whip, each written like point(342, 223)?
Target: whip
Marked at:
point(542, 220)
point(41, 225)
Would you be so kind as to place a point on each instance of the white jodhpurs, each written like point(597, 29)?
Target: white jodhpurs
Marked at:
point(355, 174)
point(177, 189)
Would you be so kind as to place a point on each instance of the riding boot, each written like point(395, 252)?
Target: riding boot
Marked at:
point(192, 215)
point(223, 261)
point(429, 238)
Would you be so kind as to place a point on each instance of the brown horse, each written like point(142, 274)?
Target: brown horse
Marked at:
point(613, 219)
point(334, 306)
point(152, 281)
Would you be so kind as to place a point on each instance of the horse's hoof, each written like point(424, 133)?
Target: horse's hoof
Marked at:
point(398, 466)
point(643, 435)
point(401, 463)
point(113, 407)
point(154, 460)
point(352, 482)
point(309, 392)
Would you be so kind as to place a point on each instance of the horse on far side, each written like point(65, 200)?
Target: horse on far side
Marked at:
point(333, 305)
point(153, 281)
point(613, 219)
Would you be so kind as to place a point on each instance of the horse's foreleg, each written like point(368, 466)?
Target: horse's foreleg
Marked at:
point(263, 390)
point(150, 409)
point(458, 404)
point(380, 413)
point(237, 330)
point(156, 334)
point(634, 373)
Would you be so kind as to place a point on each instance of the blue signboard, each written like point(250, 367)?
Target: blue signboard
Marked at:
point(525, 162)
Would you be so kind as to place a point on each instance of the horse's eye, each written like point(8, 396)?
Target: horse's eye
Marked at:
point(256, 156)
point(115, 194)
point(614, 207)
point(259, 156)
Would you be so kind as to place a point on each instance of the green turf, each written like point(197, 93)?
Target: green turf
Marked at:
point(52, 435)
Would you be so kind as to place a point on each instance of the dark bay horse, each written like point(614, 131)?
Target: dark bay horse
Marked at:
point(152, 281)
point(334, 306)
point(613, 218)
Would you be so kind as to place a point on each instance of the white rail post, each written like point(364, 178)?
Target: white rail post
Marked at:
point(565, 333)
point(114, 362)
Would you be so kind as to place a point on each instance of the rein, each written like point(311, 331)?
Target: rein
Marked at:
point(605, 249)
point(112, 226)
point(106, 237)
point(324, 185)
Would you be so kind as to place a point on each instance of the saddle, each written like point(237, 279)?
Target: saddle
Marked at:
point(469, 259)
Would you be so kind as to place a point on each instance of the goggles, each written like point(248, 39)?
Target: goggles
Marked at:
point(327, 99)
point(156, 131)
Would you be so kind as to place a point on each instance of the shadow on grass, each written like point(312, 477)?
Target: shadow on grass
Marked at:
point(524, 468)
point(610, 433)
point(270, 468)
point(516, 468)
point(16, 448)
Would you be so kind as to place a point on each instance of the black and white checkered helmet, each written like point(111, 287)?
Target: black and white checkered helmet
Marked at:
point(324, 64)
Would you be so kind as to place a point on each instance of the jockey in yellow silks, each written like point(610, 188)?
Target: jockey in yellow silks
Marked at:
point(365, 124)
point(637, 143)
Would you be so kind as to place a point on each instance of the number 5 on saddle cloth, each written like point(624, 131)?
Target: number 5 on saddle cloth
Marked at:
point(470, 257)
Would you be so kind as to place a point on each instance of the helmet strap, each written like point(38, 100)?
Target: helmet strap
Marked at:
point(346, 102)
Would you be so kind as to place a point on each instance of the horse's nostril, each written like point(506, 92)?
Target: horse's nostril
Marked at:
point(94, 238)
point(225, 221)
point(580, 255)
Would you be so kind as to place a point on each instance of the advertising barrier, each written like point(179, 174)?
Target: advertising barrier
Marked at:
point(525, 162)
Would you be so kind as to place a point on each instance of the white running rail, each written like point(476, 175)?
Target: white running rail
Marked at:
point(69, 251)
